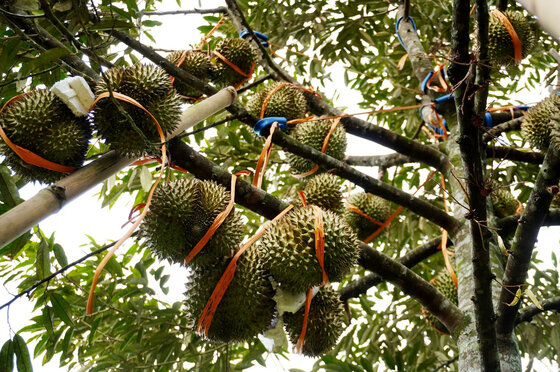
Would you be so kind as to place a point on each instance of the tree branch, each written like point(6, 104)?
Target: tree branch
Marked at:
point(502, 5)
point(527, 314)
point(220, 9)
point(528, 228)
point(513, 154)
point(508, 126)
point(507, 225)
point(410, 259)
point(384, 161)
point(353, 125)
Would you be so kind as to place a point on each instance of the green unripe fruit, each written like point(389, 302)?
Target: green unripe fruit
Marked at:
point(372, 205)
point(500, 44)
point(196, 63)
point(535, 127)
point(240, 53)
point(313, 134)
point(181, 213)
point(247, 307)
point(151, 87)
point(444, 283)
point(288, 248)
point(288, 102)
point(325, 323)
point(324, 191)
point(503, 202)
point(41, 123)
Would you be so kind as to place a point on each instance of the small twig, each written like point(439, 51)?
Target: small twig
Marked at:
point(28, 16)
point(446, 364)
point(29, 76)
point(189, 11)
point(213, 125)
point(406, 10)
point(58, 272)
point(255, 83)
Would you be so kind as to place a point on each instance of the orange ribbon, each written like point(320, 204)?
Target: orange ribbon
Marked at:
point(301, 339)
point(236, 68)
point(517, 55)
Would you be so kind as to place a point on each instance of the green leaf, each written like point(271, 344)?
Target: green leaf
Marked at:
point(7, 356)
point(60, 255)
point(48, 323)
point(11, 250)
point(150, 23)
point(43, 262)
point(61, 308)
point(22, 355)
point(9, 193)
point(146, 179)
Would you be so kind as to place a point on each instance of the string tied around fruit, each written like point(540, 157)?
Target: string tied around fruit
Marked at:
point(517, 47)
point(207, 315)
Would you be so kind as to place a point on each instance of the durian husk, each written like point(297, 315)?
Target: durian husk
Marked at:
point(288, 248)
point(288, 102)
point(247, 307)
point(325, 323)
point(444, 283)
point(503, 202)
point(196, 63)
point(373, 206)
point(323, 190)
point(500, 45)
point(535, 126)
point(41, 123)
point(181, 213)
point(134, 133)
point(240, 53)
point(313, 134)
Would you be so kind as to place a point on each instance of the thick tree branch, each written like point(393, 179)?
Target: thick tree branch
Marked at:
point(369, 184)
point(502, 5)
point(384, 161)
point(188, 11)
point(470, 144)
point(527, 314)
point(508, 126)
point(353, 125)
point(530, 222)
point(410, 259)
point(513, 154)
point(507, 225)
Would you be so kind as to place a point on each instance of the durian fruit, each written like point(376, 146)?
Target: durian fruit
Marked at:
point(325, 323)
point(151, 87)
point(196, 63)
point(313, 134)
point(288, 102)
point(444, 283)
point(535, 126)
point(324, 191)
point(41, 123)
point(247, 307)
point(372, 205)
point(503, 202)
point(180, 214)
point(288, 248)
point(500, 45)
point(240, 53)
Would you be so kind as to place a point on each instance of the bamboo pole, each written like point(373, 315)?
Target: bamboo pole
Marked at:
point(51, 199)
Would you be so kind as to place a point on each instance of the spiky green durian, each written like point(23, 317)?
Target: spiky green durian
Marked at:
point(444, 283)
point(41, 123)
point(325, 323)
point(503, 201)
point(500, 45)
point(324, 191)
point(288, 102)
point(240, 53)
point(134, 133)
point(288, 248)
point(372, 205)
point(196, 63)
point(313, 134)
point(535, 126)
point(247, 307)
point(180, 214)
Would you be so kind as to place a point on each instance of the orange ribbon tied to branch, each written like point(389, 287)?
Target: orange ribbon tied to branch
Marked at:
point(205, 320)
point(517, 47)
point(28, 156)
point(246, 75)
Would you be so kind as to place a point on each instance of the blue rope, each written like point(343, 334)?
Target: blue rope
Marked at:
point(397, 29)
point(262, 126)
point(263, 37)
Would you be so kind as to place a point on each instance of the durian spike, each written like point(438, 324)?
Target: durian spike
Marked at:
point(28, 156)
point(205, 320)
point(220, 218)
point(125, 98)
point(269, 96)
point(323, 150)
point(301, 339)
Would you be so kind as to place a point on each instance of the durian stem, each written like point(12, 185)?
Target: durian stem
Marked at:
point(48, 201)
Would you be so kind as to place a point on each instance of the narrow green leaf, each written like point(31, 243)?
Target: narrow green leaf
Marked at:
point(22, 355)
point(43, 262)
point(66, 341)
point(11, 250)
point(62, 308)
point(8, 190)
point(533, 298)
point(517, 297)
point(60, 255)
point(146, 179)
point(48, 316)
point(7, 356)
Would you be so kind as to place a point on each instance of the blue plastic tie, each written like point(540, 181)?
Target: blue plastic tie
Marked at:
point(397, 29)
point(443, 99)
point(264, 124)
point(435, 128)
point(488, 120)
point(423, 86)
point(260, 35)
point(523, 107)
